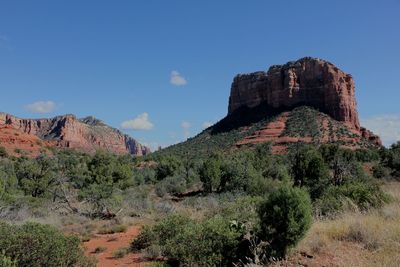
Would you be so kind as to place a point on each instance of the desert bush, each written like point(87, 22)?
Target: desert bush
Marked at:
point(186, 242)
point(6, 261)
point(391, 158)
point(364, 194)
point(360, 195)
point(144, 239)
point(99, 250)
point(120, 253)
point(3, 152)
point(260, 185)
point(211, 243)
point(172, 185)
point(145, 176)
point(8, 177)
point(167, 166)
point(285, 217)
point(33, 244)
point(367, 155)
point(379, 171)
point(112, 229)
point(37, 176)
point(210, 173)
point(309, 170)
point(159, 233)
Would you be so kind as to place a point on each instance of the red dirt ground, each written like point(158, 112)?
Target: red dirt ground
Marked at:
point(12, 139)
point(113, 242)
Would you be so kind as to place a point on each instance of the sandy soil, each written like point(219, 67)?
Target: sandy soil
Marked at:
point(112, 242)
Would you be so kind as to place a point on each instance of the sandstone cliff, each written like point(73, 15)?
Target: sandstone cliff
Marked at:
point(88, 134)
point(308, 81)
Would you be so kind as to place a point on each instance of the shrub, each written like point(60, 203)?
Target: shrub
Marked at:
point(364, 194)
point(159, 233)
point(120, 228)
point(361, 195)
point(210, 173)
point(120, 253)
point(167, 167)
point(233, 176)
point(144, 239)
point(6, 261)
point(100, 250)
point(38, 176)
point(379, 171)
point(185, 242)
point(261, 186)
point(309, 170)
point(285, 217)
point(3, 152)
point(171, 185)
point(211, 243)
point(33, 245)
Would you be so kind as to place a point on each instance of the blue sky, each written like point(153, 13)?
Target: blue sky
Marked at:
point(170, 64)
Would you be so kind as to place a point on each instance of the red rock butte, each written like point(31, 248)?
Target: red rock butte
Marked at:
point(308, 81)
point(87, 135)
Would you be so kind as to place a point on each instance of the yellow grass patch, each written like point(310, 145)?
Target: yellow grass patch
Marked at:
point(356, 239)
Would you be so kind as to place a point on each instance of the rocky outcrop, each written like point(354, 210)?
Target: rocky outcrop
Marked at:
point(88, 134)
point(308, 81)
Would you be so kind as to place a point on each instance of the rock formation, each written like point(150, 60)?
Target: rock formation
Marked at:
point(88, 134)
point(308, 81)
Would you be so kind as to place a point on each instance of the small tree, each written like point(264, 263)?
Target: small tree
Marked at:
point(210, 173)
point(310, 170)
point(37, 177)
point(285, 217)
point(167, 167)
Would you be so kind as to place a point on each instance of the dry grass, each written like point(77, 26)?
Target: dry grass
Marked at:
point(356, 239)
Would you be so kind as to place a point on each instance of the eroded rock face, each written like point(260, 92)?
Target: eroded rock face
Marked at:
point(88, 134)
point(308, 81)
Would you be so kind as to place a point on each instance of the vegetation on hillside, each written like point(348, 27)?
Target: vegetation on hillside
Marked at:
point(218, 210)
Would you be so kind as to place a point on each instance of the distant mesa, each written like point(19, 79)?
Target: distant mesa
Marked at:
point(309, 82)
point(88, 135)
point(308, 101)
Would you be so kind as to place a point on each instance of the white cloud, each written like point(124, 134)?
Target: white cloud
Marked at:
point(387, 126)
point(41, 107)
point(206, 124)
point(177, 79)
point(186, 129)
point(141, 122)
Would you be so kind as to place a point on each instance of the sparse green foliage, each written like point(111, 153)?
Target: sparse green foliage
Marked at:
point(285, 217)
point(309, 170)
point(99, 250)
point(188, 243)
point(6, 261)
point(210, 173)
point(3, 152)
point(167, 167)
point(40, 245)
point(37, 177)
point(120, 253)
